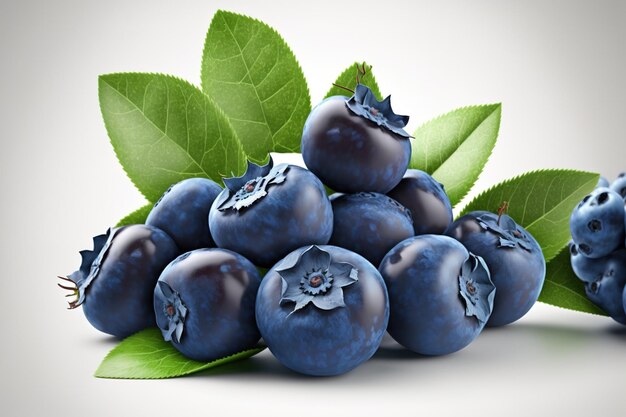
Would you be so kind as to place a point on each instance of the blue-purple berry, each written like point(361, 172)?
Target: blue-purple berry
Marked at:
point(619, 185)
point(204, 304)
point(427, 201)
point(322, 310)
point(597, 223)
point(270, 211)
point(115, 281)
point(183, 213)
point(441, 296)
point(369, 224)
point(356, 144)
point(513, 256)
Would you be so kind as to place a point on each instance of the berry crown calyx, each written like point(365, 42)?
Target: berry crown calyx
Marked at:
point(363, 103)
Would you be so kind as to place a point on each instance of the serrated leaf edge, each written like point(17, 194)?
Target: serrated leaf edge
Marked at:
point(101, 78)
point(519, 176)
point(123, 221)
point(244, 354)
point(497, 107)
point(468, 107)
point(221, 12)
point(378, 96)
point(598, 313)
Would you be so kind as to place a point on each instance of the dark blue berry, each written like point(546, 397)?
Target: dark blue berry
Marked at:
point(427, 201)
point(514, 259)
point(597, 223)
point(619, 185)
point(204, 304)
point(356, 144)
point(588, 269)
point(183, 212)
point(271, 211)
point(440, 294)
point(369, 224)
point(322, 310)
point(116, 280)
point(607, 291)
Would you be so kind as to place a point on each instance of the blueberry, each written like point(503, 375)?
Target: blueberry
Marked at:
point(440, 294)
point(322, 310)
point(183, 212)
point(625, 225)
point(514, 259)
point(602, 182)
point(271, 211)
point(597, 223)
point(607, 291)
point(204, 304)
point(586, 269)
point(619, 185)
point(369, 224)
point(426, 199)
point(115, 281)
point(356, 144)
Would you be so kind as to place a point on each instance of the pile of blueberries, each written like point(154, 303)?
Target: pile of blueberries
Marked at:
point(380, 254)
point(598, 246)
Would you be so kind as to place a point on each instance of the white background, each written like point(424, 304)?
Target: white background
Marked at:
point(558, 68)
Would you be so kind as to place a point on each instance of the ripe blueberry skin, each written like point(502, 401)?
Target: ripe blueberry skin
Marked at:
point(350, 153)
point(119, 299)
point(602, 182)
point(325, 342)
point(293, 214)
point(517, 273)
point(607, 292)
point(369, 224)
point(597, 223)
point(426, 199)
point(619, 185)
point(593, 269)
point(427, 312)
point(183, 210)
point(218, 287)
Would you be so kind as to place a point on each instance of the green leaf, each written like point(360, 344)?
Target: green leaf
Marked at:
point(563, 289)
point(249, 70)
point(145, 355)
point(138, 216)
point(541, 202)
point(348, 79)
point(164, 130)
point(454, 147)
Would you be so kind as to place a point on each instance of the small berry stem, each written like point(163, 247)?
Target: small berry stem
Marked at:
point(73, 289)
point(504, 208)
point(360, 73)
point(345, 88)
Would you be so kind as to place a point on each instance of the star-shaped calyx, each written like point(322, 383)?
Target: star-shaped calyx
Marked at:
point(509, 232)
point(364, 104)
point(315, 278)
point(476, 288)
point(252, 186)
point(173, 309)
point(78, 281)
